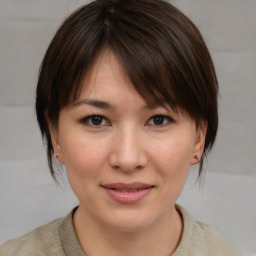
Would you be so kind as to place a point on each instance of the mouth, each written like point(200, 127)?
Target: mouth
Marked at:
point(128, 193)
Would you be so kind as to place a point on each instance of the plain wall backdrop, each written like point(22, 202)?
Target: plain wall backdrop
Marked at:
point(227, 197)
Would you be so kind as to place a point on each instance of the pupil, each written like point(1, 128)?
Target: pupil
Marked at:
point(96, 120)
point(158, 120)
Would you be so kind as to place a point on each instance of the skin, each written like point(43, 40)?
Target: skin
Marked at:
point(127, 145)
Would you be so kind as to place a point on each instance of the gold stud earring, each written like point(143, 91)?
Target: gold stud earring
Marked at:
point(197, 157)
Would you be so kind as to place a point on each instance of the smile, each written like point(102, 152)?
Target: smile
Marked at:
point(128, 190)
point(127, 193)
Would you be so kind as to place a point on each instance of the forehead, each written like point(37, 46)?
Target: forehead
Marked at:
point(106, 76)
point(106, 85)
point(107, 81)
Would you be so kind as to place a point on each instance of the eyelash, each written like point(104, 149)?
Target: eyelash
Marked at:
point(89, 121)
point(167, 120)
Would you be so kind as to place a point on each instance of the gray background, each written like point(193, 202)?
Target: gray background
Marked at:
point(227, 197)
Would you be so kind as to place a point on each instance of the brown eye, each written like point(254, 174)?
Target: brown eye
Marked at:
point(158, 120)
point(96, 120)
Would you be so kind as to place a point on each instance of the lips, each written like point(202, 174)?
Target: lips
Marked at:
point(128, 193)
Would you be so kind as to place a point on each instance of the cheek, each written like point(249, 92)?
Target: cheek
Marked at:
point(174, 156)
point(83, 156)
point(85, 162)
point(172, 163)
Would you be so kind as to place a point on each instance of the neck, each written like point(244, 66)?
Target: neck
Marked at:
point(161, 238)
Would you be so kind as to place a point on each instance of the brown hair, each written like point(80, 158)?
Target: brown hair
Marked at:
point(162, 52)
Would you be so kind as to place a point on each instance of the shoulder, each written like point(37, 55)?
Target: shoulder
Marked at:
point(42, 241)
point(199, 239)
point(209, 239)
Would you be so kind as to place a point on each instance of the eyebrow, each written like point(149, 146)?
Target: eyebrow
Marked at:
point(94, 103)
point(105, 105)
point(150, 106)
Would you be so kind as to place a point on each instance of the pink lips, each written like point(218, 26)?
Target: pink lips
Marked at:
point(128, 193)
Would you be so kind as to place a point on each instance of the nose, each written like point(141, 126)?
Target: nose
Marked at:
point(127, 151)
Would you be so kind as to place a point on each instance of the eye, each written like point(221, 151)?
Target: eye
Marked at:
point(95, 121)
point(160, 120)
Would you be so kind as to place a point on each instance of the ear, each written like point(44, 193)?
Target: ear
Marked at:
point(199, 142)
point(54, 139)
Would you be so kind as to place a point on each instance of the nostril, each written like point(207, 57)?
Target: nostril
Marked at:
point(127, 163)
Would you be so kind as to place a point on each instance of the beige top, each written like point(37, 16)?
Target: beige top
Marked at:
point(59, 239)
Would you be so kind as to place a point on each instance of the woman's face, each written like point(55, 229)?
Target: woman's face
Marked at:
point(126, 161)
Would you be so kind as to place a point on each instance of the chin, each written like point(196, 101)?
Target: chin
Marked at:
point(130, 220)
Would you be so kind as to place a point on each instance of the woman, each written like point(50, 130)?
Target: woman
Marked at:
point(127, 101)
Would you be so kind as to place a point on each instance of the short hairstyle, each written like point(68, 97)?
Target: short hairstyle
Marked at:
point(161, 50)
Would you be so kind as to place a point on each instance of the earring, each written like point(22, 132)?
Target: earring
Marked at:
point(57, 155)
point(197, 157)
